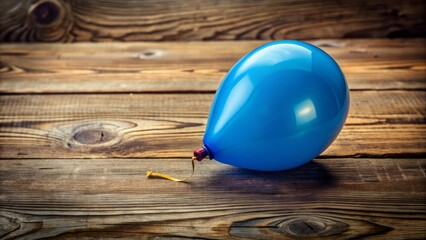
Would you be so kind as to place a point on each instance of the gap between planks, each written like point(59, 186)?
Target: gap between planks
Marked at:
point(192, 92)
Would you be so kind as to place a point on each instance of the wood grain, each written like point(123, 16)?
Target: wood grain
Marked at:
point(190, 67)
point(171, 20)
point(331, 198)
point(380, 123)
point(81, 123)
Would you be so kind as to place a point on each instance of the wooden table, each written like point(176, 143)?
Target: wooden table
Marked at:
point(81, 123)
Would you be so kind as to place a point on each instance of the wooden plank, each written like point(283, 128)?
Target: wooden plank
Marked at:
point(380, 123)
point(113, 20)
point(331, 198)
point(190, 67)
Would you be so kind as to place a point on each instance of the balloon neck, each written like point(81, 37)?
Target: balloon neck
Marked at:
point(202, 153)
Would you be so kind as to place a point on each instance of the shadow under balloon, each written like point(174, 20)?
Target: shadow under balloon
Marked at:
point(310, 178)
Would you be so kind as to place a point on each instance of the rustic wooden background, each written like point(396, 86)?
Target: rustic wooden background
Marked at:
point(170, 20)
point(81, 123)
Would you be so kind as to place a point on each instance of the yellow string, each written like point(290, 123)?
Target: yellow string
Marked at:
point(164, 176)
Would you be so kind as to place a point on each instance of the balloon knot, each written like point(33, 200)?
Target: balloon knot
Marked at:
point(200, 154)
point(148, 173)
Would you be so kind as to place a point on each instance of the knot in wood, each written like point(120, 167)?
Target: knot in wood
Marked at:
point(306, 227)
point(150, 53)
point(46, 13)
point(93, 136)
point(310, 226)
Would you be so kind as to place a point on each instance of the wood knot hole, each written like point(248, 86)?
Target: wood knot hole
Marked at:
point(45, 13)
point(150, 53)
point(306, 227)
point(93, 136)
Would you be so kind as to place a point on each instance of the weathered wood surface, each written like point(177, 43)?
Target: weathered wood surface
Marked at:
point(80, 124)
point(331, 198)
point(172, 125)
point(115, 20)
point(179, 67)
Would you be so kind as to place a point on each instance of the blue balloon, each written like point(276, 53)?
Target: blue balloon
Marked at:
point(279, 107)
